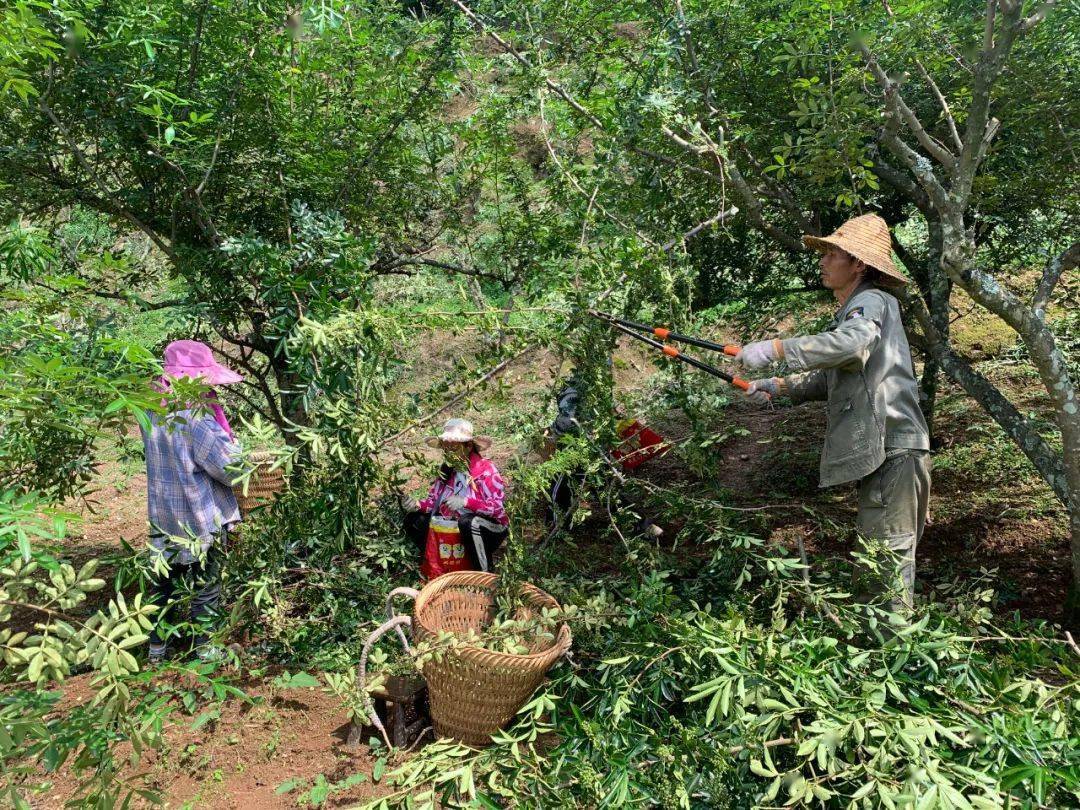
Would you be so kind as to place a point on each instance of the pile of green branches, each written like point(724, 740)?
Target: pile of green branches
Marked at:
point(719, 674)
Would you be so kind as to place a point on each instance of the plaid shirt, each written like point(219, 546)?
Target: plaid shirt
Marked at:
point(189, 493)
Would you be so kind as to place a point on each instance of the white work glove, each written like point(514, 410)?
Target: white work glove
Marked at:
point(456, 503)
point(409, 504)
point(762, 392)
point(757, 355)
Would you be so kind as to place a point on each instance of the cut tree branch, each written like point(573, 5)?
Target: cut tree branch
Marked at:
point(708, 223)
point(1036, 17)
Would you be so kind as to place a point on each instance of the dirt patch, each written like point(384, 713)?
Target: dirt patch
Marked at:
point(238, 760)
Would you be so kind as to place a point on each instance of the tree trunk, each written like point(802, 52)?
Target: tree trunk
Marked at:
point(936, 289)
point(1046, 460)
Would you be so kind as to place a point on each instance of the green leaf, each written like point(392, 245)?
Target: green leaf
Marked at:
point(759, 769)
point(320, 791)
point(289, 785)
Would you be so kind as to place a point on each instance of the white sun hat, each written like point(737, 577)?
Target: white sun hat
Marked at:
point(459, 431)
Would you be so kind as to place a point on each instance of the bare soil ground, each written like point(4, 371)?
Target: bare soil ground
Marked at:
point(237, 761)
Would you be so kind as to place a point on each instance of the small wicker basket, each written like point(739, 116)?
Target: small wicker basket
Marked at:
point(474, 692)
point(264, 484)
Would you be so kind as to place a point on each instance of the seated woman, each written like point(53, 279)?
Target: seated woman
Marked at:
point(467, 496)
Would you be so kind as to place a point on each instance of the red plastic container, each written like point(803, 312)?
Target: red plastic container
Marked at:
point(638, 444)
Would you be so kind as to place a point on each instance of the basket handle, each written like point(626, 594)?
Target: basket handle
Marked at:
point(412, 593)
point(361, 671)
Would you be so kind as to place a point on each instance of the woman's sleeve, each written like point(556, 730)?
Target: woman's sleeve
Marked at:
point(487, 499)
point(428, 503)
point(213, 450)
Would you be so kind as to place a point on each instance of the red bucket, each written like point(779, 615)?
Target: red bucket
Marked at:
point(638, 444)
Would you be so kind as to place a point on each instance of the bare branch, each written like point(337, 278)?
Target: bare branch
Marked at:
point(114, 206)
point(754, 208)
point(452, 268)
point(1025, 434)
point(992, 127)
point(685, 145)
point(221, 130)
point(1064, 262)
point(899, 107)
point(661, 158)
point(1036, 17)
point(959, 144)
point(919, 166)
point(576, 184)
point(260, 383)
point(902, 183)
point(688, 41)
point(1072, 642)
point(202, 215)
point(690, 234)
point(139, 301)
point(778, 191)
point(506, 46)
point(998, 39)
point(498, 369)
point(213, 160)
point(988, 26)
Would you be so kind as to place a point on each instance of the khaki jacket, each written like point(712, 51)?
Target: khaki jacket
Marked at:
point(862, 365)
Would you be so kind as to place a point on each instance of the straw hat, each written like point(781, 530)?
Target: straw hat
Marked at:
point(867, 239)
point(459, 431)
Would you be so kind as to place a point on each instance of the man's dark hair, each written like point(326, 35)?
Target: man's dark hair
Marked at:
point(873, 275)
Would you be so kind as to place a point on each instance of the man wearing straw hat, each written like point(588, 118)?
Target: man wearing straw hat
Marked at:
point(190, 499)
point(862, 366)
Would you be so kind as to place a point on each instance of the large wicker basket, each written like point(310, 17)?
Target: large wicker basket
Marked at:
point(264, 484)
point(474, 692)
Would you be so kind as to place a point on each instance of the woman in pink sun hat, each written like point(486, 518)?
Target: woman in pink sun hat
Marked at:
point(190, 501)
point(195, 360)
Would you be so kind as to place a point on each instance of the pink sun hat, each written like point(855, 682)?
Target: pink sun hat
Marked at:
point(190, 358)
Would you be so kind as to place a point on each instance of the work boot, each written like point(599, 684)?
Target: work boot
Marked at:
point(157, 653)
point(208, 653)
point(647, 529)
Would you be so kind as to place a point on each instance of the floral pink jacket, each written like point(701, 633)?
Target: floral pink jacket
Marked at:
point(483, 488)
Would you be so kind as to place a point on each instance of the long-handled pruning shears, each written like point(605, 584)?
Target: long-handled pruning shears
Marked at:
point(633, 329)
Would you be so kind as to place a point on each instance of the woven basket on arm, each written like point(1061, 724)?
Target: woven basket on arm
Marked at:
point(474, 692)
point(264, 484)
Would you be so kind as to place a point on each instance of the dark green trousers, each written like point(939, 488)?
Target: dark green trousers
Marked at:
point(893, 502)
